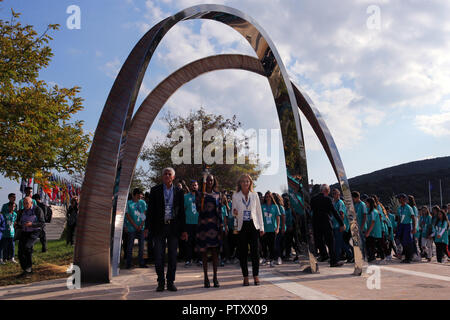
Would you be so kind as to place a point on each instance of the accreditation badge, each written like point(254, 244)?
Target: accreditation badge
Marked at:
point(247, 215)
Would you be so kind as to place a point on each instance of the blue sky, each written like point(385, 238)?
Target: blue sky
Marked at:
point(384, 93)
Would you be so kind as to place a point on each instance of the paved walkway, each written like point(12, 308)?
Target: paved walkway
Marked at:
point(285, 282)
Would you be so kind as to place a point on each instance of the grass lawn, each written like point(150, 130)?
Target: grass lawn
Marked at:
point(46, 266)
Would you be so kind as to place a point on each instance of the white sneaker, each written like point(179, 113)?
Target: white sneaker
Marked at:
point(382, 262)
point(271, 264)
point(416, 258)
point(389, 258)
point(262, 261)
point(1, 261)
point(279, 261)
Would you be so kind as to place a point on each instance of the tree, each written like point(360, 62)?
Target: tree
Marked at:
point(36, 135)
point(158, 156)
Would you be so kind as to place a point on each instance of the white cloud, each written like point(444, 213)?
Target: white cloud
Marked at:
point(112, 68)
point(437, 125)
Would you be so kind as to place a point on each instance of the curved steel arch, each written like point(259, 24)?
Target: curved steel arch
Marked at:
point(99, 207)
point(155, 100)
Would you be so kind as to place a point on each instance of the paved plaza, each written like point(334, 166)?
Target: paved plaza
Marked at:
point(423, 281)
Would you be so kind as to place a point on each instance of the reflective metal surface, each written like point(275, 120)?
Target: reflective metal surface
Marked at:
point(109, 169)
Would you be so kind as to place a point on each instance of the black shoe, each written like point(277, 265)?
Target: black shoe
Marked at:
point(216, 283)
point(44, 250)
point(128, 267)
point(25, 274)
point(406, 261)
point(160, 287)
point(352, 260)
point(143, 266)
point(206, 283)
point(171, 287)
point(337, 264)
point(323, 259)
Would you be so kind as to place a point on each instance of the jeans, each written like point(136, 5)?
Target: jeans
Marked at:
point(248, 235)
point(8, 248)
point(168, 237)
point(278, 244)
point(406, 239)
point(441, 250)
point(43, 239)
point(26, 243)
point(338, 243)
point(130, 243)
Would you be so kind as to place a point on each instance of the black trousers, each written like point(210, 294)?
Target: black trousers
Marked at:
point(373, 246)
point(70, 233)
point(249, 236)
point(43, 239)
point(224, 248)
point(26, 243)
point(166, 237)
point(189, 245)
point(268, 245)
point(441, 250)
point(323, 235)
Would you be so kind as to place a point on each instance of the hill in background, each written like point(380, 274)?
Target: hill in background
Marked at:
point(410, 178)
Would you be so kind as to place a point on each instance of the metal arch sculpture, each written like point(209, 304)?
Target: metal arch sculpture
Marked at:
point(102, 208)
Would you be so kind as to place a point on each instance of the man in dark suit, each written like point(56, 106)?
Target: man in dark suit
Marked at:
point(322, 207)
point(167, 223)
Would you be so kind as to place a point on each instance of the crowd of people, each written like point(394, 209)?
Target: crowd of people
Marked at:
point(232, 227)
point(198, 223)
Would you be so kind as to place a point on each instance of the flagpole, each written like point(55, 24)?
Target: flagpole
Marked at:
point(440, 188)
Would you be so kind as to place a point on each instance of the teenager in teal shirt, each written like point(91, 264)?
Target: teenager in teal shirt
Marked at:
point(28, 193)
point(406, 228)
point(342, 239)
point(426, 229)
point(7, 242)
point(440, 232)
point(271, 218)
point(134, 227)
point(361, 218)
point(191, 213)
point(225, 252)
point(374, 232)
point(412, 203)
point(279, 238)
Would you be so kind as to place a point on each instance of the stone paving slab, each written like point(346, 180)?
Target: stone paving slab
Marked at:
point(284, 282)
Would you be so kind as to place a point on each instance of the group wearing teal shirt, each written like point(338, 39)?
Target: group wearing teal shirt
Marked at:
point(190, 209)
point(10, 219)
point(416, 216)
point(340, 207)
point(441, 230)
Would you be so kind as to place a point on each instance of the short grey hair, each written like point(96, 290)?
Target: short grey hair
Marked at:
point(169, 169)
point(324, 187)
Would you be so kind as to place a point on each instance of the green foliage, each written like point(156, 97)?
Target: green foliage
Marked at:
point(35, 130)
point(158, 156)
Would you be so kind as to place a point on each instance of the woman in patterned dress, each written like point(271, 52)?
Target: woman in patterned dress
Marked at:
point(209, 228)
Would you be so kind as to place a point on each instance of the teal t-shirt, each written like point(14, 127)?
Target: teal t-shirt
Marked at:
point(340, 207)
point(406, 213)
point(10, 218)
point(384, 227)
point(425, 224)
point(190, 209)
point(361, 211)
point(296, 202)
point(21, 203)
point(377, 228)
point(441, 228)
point(5, 208)
point(416, 216)
point(270, 217)
point(136, 211)
point(393, 222)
